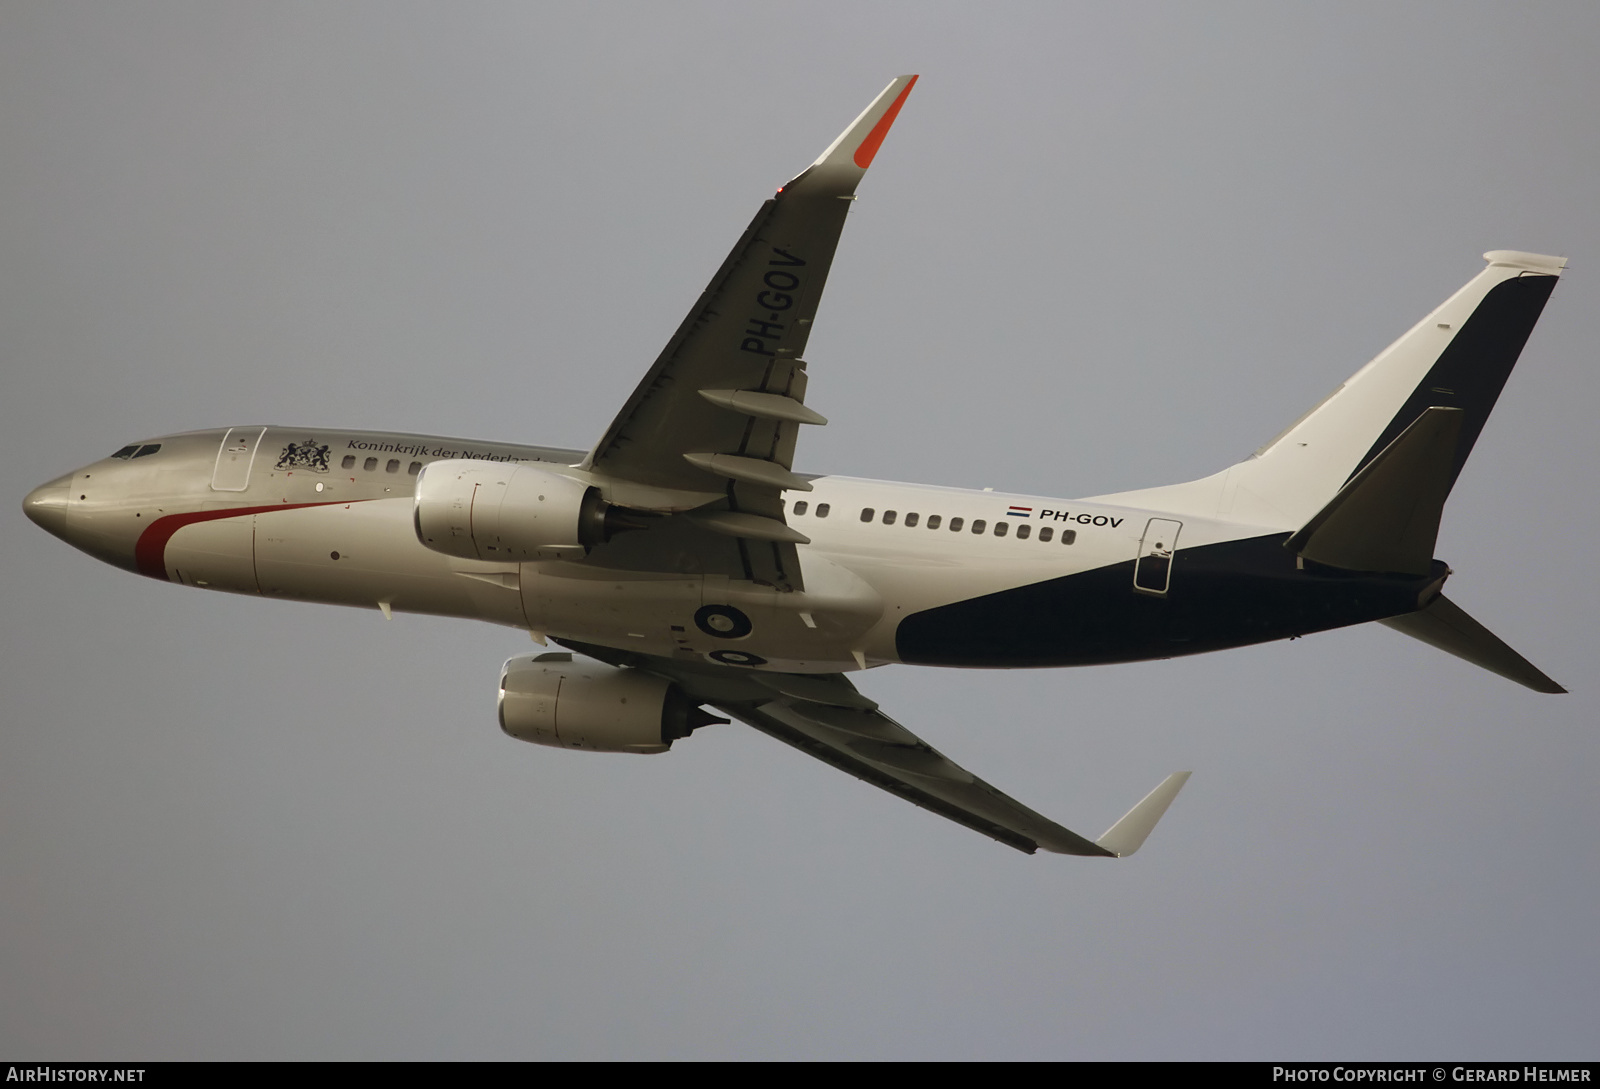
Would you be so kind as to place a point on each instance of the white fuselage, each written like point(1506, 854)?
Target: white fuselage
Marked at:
point(248, 511)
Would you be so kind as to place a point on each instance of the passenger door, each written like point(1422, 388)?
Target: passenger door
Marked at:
point(1152, 570)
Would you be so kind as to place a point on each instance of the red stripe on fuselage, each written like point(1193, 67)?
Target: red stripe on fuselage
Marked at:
point(150, 551)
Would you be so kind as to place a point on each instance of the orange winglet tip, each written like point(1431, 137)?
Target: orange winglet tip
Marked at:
point(869, 147)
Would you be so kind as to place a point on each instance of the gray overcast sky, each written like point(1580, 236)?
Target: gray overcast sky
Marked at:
point(1105, 246)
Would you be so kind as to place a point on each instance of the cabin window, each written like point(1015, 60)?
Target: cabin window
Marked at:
point(889, 516)
point(349, 462)
point(911, 519)
point(370, 465)
point(822, 510)
point(1068, 536)
point(1001, 529)
point(933, 521)
point(956, 524)
point(979, 526)
point(800, 507)
point(1024, 531)
point(1046, 532)
point(416, 467)
point(393, 466)
point(867, 513)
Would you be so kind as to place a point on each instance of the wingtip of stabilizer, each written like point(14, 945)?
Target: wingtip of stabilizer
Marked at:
point(1129, 833)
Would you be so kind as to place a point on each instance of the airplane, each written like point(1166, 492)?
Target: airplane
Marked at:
point(689, 572)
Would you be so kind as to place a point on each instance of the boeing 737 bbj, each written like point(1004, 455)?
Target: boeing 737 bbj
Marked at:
point(684, 564)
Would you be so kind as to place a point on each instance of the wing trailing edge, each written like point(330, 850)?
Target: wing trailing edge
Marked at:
point(824, 716)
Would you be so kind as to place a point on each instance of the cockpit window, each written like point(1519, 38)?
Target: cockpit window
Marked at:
point(147, 449)
point(126, 452)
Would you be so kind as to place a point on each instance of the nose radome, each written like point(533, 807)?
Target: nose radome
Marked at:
point(46, 505)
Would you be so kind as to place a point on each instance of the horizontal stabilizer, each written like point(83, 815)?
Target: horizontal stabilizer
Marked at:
point(1444, 625)
point(1387, 517)
point(1128, 834)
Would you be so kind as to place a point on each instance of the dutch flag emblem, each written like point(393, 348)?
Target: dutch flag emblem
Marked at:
point(1020, 512)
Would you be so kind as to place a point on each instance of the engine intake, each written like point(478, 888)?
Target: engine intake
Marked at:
point(553, 699)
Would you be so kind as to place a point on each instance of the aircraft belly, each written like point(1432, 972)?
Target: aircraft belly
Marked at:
point(707, 617)
point(1222, 595)
point(613, 608)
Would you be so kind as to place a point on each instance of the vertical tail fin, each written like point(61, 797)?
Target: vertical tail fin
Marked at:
point(1457, 357)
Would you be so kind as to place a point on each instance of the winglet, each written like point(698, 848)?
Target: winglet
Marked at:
point(1128, 834)
point(848, 157)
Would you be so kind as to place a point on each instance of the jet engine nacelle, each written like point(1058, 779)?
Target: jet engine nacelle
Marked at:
point(483, 510)
point(554, 699)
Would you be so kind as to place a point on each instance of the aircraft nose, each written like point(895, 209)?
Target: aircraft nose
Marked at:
point(46, 505)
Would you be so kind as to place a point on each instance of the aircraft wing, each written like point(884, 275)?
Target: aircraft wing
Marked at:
point(712, 426)
point(825, 716)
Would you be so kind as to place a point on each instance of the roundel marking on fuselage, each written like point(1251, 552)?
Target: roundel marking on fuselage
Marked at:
point(722, 622)
point(737, 657)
